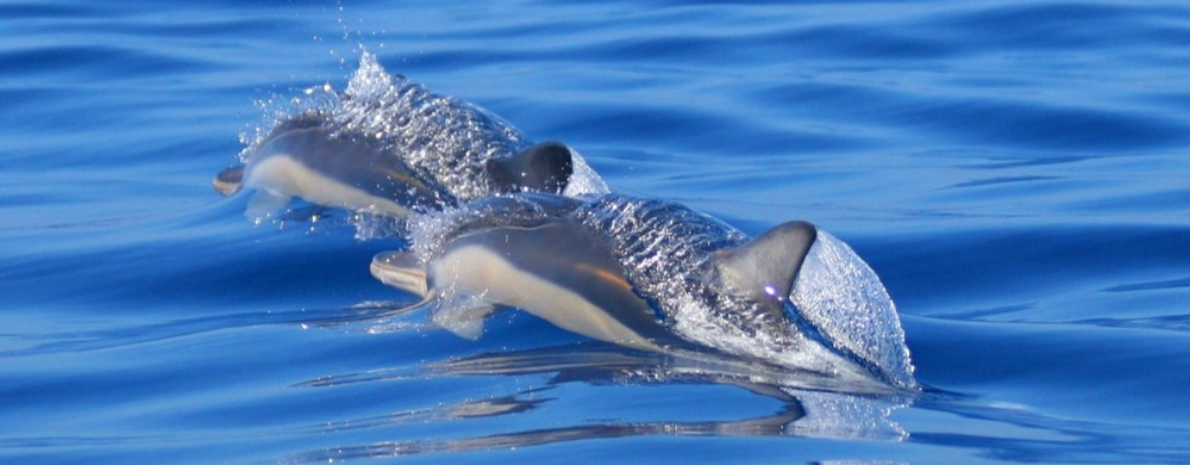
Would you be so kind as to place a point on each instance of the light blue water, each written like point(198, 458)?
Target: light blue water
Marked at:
point(1018, 174)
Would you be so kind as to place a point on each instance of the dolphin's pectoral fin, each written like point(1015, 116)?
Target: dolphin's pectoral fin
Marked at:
point(765, 268)
point(264, 202)
point(229, 181)
point(465, 321)
point(545, 167)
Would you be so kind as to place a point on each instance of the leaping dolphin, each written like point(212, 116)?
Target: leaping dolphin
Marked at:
point(304, 158)
point(651, 275)
point(389, 145)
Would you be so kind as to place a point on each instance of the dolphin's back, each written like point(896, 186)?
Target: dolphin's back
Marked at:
point(442, 138)
point(657, 240)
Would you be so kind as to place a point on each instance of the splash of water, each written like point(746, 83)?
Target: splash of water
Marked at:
point(843, 298)
point(449, 138)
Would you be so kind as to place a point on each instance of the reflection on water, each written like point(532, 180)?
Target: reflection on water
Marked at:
point(807, 407)
point(774, 425)
point(504, 405)
point(18, 345)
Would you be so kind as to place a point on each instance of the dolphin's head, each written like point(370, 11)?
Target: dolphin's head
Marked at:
point(307, 157)
point(231, 180)
point(282, 130)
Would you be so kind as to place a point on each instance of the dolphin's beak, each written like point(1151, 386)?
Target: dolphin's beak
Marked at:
point(401, 270)
point(229, 181)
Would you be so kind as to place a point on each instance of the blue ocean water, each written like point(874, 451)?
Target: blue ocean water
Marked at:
point(1017, 173)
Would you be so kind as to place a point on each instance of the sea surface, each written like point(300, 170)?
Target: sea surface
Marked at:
point(1016, 172)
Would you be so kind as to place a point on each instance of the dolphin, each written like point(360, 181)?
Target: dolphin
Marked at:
point(304, 158)
point(389, 145)
point(641, 273)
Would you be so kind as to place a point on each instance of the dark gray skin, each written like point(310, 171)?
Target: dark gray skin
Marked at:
point(545, 167)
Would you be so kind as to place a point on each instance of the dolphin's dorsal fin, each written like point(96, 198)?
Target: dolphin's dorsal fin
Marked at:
point(229, 181)
point(464, 321)
point(765, 268)
point(545, 167)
